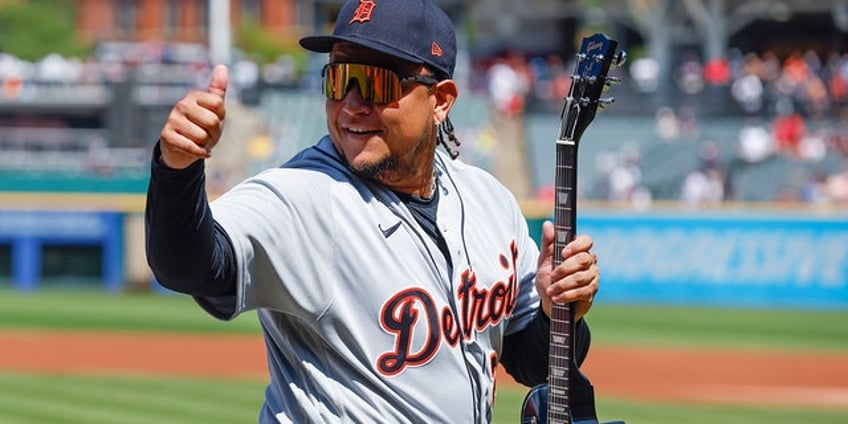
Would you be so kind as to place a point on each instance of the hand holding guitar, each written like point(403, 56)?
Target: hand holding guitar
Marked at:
point(574, 281)
point(195, 124)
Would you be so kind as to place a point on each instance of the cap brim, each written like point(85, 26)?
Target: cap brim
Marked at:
point(318, 43)
point(324, 44)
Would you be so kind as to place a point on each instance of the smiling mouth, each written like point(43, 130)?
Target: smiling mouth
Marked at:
point(361, 131)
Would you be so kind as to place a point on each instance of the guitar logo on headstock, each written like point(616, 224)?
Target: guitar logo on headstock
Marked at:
point(597, 54)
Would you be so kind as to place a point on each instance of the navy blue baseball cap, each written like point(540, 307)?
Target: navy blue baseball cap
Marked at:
point(417, 31)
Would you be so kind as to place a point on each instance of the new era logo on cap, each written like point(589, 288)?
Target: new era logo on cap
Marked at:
point(436, 49)
point(417, 31)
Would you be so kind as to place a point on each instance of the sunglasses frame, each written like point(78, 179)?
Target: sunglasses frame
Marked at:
point(364, 81)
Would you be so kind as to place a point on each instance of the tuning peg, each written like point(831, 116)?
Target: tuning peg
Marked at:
point(619, 58)
point(606, 101)
point(612, 80)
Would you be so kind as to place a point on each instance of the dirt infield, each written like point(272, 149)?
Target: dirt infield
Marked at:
point(722, 376)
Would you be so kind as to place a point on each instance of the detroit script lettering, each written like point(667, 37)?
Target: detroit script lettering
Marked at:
point(479, 308)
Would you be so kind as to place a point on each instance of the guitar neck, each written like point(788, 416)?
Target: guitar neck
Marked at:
point(562, 316)
point(565, 209)
point(597, 54)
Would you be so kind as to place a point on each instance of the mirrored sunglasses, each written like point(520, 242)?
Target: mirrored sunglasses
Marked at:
point(376, 85)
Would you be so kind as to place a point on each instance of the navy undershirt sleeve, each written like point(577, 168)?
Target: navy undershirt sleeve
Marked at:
point(525, 353)
point(186, 250)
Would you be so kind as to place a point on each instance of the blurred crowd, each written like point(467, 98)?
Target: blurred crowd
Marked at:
point(794, 108)
point(181, 64)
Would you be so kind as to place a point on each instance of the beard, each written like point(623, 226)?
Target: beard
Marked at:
point(392, 167)
point(373, 171)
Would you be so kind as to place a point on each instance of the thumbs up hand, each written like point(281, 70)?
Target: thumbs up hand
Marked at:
point(195, 124)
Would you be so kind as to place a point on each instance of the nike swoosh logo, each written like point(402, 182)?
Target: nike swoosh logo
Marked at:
point(388, 231)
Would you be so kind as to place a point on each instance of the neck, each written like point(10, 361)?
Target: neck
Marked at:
point(422, 184)
point(424, 189)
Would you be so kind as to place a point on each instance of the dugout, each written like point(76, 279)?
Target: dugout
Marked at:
point(38, 246)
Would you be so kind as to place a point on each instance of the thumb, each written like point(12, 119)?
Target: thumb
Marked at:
point(546, 251)
point(218, 84)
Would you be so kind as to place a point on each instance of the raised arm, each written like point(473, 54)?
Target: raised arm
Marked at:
point(186, 250)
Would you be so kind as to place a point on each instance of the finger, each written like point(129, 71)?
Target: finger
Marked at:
point(580, 261)
point(174, 142)
point(206, 120)
point(580, 286)
point(580, 243)
point(213, 103)
point(218, 83)
point(195, 133)
point(192, 120)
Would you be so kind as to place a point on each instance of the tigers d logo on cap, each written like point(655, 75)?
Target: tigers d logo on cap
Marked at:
point(416, 31)
point(363, 12)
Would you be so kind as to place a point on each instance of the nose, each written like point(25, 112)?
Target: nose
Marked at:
point(353, 102)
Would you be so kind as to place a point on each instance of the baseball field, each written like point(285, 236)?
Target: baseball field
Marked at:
point(83, 356)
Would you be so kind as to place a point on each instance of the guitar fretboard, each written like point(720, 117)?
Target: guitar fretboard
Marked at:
point(562, 319)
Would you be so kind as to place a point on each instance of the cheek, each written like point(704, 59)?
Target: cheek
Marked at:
point(415, 116)
point(331, 109)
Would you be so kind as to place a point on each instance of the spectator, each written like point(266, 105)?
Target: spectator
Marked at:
point(645, 73)
point(836, 188)
point(667, 126)
point(788, 131)
point(748, 92)
point(754, 144)
point(717, 72)
point(706, 184)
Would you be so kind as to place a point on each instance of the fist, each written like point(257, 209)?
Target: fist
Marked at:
point(195, 123)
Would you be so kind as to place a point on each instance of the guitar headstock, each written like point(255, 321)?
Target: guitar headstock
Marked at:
point(597, 54)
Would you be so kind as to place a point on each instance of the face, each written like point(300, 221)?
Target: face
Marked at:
point(392, 143)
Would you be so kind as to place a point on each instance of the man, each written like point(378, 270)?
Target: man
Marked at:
point(389, 279)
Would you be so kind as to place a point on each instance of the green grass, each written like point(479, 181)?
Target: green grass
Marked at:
point(717, 327)
point(95, 310)
point(611, 324)
point(55, 399)
point(42, 398)
point(68, 399)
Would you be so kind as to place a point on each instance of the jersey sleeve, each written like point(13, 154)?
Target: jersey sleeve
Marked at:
point(527, 302)
point(283, 253)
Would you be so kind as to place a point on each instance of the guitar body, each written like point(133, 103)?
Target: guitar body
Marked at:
point(568, 397)
point(535, 407)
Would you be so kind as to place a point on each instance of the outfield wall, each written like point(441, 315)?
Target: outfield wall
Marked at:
point(750, 258)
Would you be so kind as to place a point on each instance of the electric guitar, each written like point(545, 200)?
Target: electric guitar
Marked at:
point(568, 397)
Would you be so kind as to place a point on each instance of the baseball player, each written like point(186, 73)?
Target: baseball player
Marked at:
point(389, 279)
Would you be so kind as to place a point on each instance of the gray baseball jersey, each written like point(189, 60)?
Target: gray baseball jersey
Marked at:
point(361, 320)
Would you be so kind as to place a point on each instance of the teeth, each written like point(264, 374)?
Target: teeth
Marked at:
point(359, 130)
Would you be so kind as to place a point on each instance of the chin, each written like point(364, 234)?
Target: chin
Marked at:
point(371, 168)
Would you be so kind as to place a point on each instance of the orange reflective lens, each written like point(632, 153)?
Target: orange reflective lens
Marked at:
point(376, 85)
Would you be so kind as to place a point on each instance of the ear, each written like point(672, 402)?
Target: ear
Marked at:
point(445, 92)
